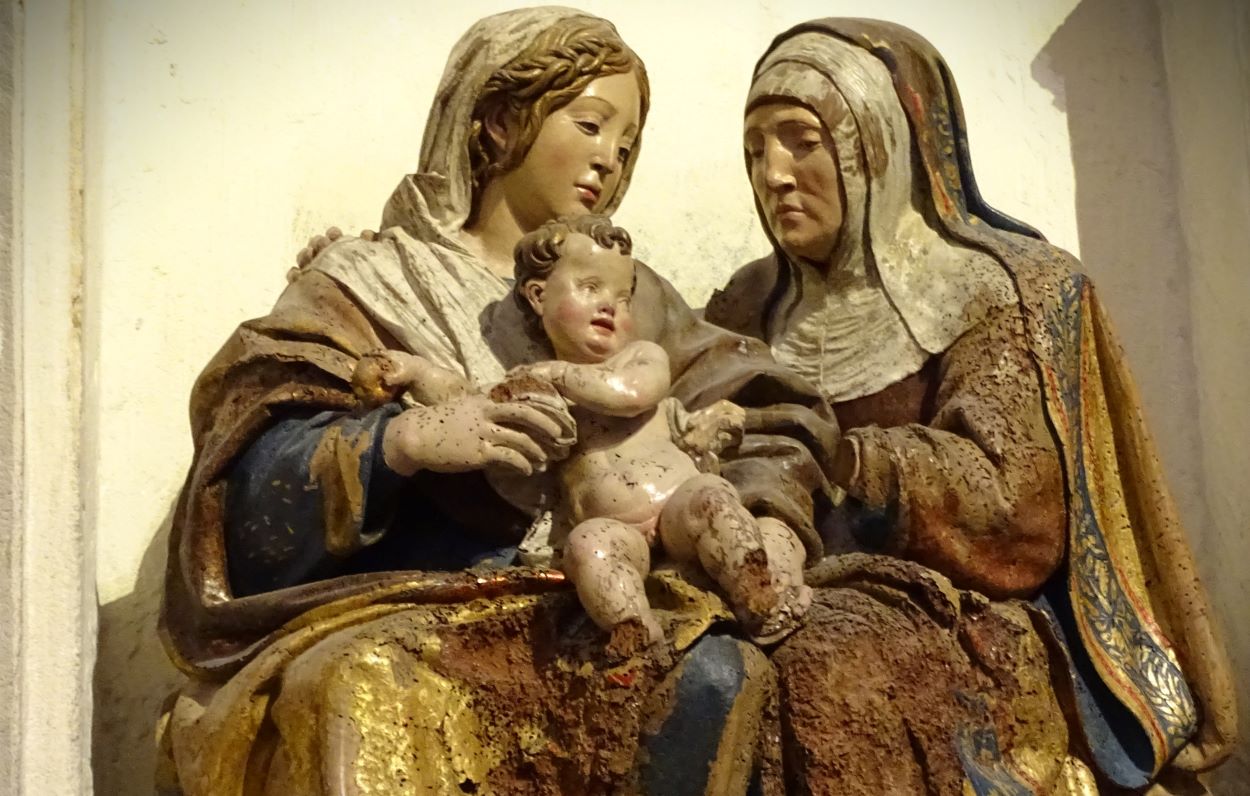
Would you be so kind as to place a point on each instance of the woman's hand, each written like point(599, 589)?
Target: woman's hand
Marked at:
point(318, 244)
point(471, 433)
point(714, 428)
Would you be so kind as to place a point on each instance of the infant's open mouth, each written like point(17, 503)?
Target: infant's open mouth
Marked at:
point(604, 323)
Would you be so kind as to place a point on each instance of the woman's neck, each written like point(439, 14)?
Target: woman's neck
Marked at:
point(494, 232)
point(841, 271)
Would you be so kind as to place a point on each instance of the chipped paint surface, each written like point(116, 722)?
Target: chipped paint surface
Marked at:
point(176, 268)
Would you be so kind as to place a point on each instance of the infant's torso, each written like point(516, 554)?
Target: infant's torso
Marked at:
point(623, 468)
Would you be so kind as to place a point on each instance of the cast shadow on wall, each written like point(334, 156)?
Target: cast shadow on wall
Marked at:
point(1104, 66)
point(133, 677)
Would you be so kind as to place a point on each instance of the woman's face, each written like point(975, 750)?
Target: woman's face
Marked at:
point(577, 159)
point(794, 172)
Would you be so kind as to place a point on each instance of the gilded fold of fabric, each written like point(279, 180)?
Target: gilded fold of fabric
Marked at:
point(1107, 600)
point(452, 684)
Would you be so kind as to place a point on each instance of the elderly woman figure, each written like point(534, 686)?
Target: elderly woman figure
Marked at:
point(992, 448)
point(337, 587)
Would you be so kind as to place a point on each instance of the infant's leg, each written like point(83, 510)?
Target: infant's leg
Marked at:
point(705, 520)
point(608, 561)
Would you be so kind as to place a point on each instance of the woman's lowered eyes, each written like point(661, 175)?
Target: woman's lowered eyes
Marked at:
point(592, 128)
point(794, 136)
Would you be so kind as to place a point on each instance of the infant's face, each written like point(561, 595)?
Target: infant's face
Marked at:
point(585, 302)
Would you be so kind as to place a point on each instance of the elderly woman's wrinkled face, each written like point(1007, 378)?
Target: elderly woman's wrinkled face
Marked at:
point(578, 158)
point(794, 172)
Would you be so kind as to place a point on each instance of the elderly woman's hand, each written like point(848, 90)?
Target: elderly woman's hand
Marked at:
point(714, 428)
point(318, 243)
point(471, 433)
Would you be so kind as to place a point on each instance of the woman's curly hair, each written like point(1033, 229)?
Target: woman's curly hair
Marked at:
point(549, 74)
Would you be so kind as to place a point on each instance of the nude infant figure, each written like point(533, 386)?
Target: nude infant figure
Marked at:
point(630, 478)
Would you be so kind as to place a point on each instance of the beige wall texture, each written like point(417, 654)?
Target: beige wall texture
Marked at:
point(219, 137)
point(1207, 57)
point(10, 405)
point(47, 595)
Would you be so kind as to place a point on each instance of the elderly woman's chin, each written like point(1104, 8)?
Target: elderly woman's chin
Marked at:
point(804, 239)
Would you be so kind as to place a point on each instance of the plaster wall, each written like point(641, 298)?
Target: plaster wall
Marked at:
point(10, 390)
point(219, 137)
point(1207, 55)
point(47, 596)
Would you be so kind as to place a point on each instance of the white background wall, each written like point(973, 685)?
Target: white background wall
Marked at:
point(219, 137)
point(1207, 56)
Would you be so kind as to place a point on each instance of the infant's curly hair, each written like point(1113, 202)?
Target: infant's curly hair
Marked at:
point(536, 254)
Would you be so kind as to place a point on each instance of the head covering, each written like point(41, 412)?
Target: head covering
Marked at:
point(439, 196)
point(1138, 627)
point(422, 285)
point(896, 290)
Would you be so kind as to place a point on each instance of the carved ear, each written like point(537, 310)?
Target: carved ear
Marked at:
point(497, 127)
point(533, 292)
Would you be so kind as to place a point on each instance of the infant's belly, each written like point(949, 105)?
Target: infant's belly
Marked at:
point(631, 490)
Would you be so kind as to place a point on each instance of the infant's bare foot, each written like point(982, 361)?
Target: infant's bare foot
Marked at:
point(631, 637)
point(793, 604)
point(753, 594)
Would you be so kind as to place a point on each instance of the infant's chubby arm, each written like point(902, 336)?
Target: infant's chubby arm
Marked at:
point(381, 375)
point(626, 384)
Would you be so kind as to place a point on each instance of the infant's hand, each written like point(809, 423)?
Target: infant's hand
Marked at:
point(432, 384)
point(375, 380)
point(715, 428)
point(381, 376)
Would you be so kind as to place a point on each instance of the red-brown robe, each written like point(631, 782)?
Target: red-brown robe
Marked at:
point(1019, 446)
